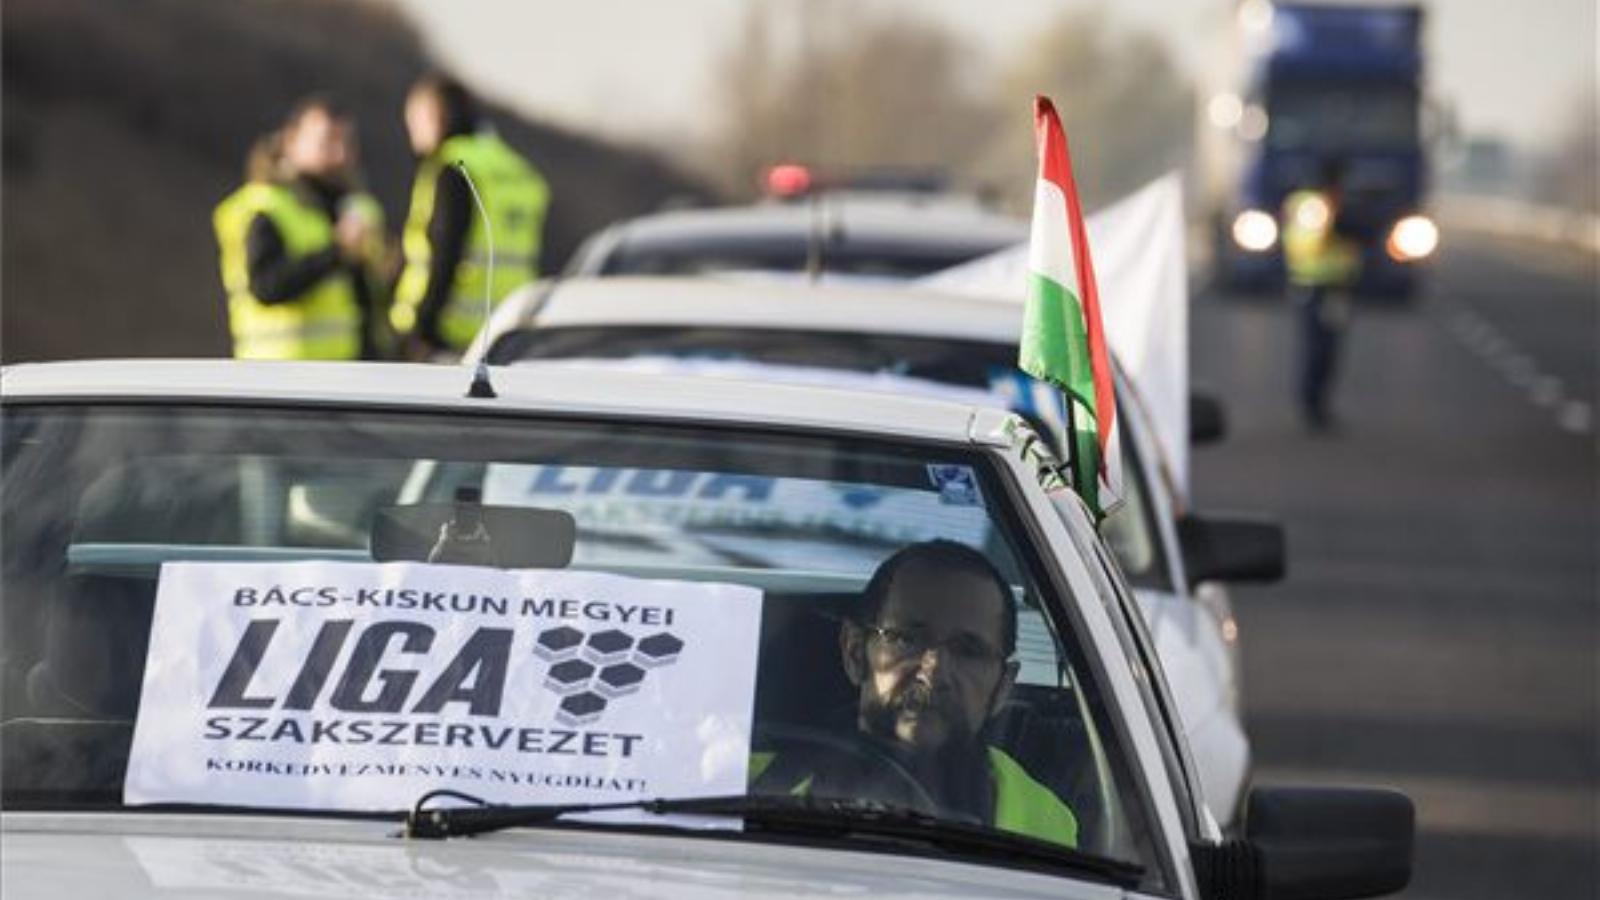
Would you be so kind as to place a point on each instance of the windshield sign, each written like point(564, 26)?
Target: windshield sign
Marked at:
point(343, 686)
point(348, 611)
point(652, 515)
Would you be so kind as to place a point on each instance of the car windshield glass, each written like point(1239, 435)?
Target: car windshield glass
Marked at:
point(889, 261)
point(899, 361)
point(1342, 116)
point(336, 610)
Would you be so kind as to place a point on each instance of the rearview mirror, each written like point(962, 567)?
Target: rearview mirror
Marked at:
point(468, 533)
point(1231, 548)
point(1317, 843)
point(1208, 419)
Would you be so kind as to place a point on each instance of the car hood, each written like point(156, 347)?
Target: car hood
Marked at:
point(132, 856)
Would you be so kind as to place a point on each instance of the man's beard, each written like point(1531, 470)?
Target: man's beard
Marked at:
point(950, 763)
point(936, 726)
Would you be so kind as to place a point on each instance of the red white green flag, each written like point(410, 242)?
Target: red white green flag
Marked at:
point(1063, 340)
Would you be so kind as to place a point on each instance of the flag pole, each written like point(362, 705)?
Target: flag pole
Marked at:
point(1072, 439)
point(1085, 475)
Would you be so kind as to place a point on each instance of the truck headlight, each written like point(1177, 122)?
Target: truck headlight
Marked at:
point(1413, 238)
point(1255, 230)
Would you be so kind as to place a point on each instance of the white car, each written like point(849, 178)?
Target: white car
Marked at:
point(892, 339)
point(288, 630)
point(853, 235)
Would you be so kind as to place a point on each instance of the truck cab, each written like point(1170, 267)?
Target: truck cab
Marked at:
point(1330, 83)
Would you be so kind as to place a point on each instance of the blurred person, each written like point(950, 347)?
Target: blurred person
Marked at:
point(1323, 262)
point(930, 655)
point(295, 249)
point(439, 299)
point(379, 260)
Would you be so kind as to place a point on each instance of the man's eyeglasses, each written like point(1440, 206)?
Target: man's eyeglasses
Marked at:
point(901, 644)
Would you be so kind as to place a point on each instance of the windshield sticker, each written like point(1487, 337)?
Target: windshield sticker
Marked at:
point(714, 518)
point(958, 485)
point(356, 686)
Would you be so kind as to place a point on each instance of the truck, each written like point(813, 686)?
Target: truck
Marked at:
point(1315, 84)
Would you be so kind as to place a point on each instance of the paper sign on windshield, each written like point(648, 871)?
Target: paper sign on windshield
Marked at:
point(715, 518)
point(350, 686)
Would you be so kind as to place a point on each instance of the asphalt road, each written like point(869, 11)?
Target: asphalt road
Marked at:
point(1438, 631)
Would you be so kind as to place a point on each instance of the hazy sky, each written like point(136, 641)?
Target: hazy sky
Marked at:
point(640, 69)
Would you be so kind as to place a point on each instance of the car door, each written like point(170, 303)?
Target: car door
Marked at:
point(1188, 637)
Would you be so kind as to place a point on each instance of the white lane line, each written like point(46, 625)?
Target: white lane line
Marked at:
point(1520, 370)
point(1480, 337)
point(1576, 416)
point(1547, 392)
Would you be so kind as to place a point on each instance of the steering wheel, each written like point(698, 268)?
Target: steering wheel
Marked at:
point(821, 746)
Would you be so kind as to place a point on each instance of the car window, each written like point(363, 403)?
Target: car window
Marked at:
point(1133, 532)
point(895, 609)
point(889, 262)
point(1130, 529)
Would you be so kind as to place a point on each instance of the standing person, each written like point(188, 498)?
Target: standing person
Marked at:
point(292, 258)
point(439, 300)
point(1323, 262)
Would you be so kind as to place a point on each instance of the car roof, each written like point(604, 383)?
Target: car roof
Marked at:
point(913, 221)
point(766, 303)
point(526, 388)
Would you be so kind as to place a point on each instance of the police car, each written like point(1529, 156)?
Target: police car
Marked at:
point(919, 341)
point(283, 629)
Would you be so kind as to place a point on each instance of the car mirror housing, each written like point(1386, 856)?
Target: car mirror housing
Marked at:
point(1232, 548)
point(467, 533)
point(1313, 843)
point(1208, 419)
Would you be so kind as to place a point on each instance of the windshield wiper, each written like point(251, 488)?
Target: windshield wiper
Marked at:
point(803, 813)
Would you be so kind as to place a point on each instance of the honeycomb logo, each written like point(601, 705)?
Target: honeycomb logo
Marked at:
point(589, 670)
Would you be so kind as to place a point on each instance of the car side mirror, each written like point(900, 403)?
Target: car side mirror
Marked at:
point(1231, 548)
point(1208, 419)
point(1313, 843)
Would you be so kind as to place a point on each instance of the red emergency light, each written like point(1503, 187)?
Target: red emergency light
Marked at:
point(788, 180)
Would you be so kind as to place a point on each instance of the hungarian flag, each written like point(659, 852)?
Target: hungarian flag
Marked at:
point(1063, 341)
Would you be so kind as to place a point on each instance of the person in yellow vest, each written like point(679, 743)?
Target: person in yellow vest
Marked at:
point(292, 256)
point(440, 298)
point(379, 261)
point(929, 653)
point(1322, 259)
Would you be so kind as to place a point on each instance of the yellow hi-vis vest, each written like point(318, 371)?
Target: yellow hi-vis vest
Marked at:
point(1021, 804)
point(322, 323)
point(374, 249)
point(1312, 253)
point(515, 198)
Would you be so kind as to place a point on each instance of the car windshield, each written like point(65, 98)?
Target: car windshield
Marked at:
point(327, 610)
point(1342, 116)
point(900, 362)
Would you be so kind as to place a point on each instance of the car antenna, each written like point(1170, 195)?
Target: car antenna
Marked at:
point(480, 388)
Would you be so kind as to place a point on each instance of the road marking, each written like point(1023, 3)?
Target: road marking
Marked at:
point(1544, 391)
point(1520, 370)
point(1576, 417)
point(1548, 391)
